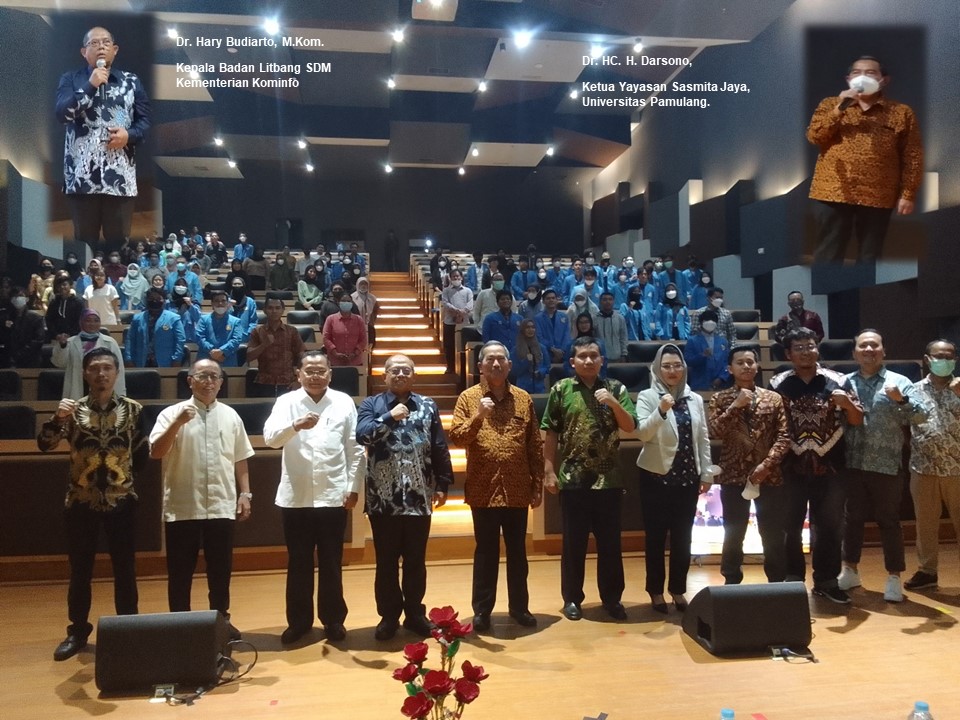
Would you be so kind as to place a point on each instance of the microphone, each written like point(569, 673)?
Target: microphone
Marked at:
point(845, 103)
point(102, 90)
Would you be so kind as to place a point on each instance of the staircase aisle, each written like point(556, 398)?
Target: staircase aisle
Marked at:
point(402, 326)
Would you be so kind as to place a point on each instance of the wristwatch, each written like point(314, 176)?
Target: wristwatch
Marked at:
point(248, 496)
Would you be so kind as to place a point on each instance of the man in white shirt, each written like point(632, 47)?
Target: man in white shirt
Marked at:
point(206, 487)
point(457, 302)
point(321, 475)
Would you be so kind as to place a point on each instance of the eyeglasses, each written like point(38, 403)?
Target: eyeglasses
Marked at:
point(400, 370)
point(803, 348)
point(105, 43)
point(672, 366)
point(207, 377)
point(315, 373)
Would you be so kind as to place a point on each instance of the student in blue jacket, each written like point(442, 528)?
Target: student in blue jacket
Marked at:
point(706, 355)
point(219, 332)
point(673, 318)
point(155, 337)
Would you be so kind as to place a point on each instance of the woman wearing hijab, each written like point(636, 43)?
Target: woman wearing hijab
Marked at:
point(699, 297)
point(531, 304)
point(583, 325)
point(256, 269)
point(531, 361)
point(243, 307)
point(236, 270)
point(673, 318)
point(282, 275)
point(183, 304)
point(581, 304)
point(68, 354)
point(675, 467)
point(133, 288)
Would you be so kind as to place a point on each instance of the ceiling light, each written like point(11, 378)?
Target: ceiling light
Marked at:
point(271, 26)
point(638, 46)
point(574, 94)
point(596, 51)
point(475, 152)
point(397, 35)
point(172, 33)
point(391, 83)
point(550, 150)
point(309, 167)
point(218, 141)
point(231, 163)
point(522, 38)
point(428, 243)
point(388, 168)
point(482, 87)
point(461, 171)
point(302, 144)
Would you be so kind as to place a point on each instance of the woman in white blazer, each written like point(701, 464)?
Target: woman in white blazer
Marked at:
point(675, 467)
point(69, 355)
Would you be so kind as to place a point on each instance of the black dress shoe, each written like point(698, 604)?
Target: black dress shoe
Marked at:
point(335, 632)
point(571, 611)
point(615, 610)
point(660, 607)
point(386, 629)
point(69, 647)
point(292, 634)
point(418, 625)
point(680, 602)
point(481, 622)
point(524, 618)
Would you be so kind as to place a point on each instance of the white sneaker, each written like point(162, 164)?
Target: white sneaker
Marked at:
point(848, 578)
point(893, 591)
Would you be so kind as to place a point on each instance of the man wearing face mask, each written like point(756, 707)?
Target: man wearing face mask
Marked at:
point(114, 269)
point(611, 327)
point(155, 337)
point(486, 300)
point(935, 459)
point(219, 333)
point(870, 163)
point(243, 249)
point(797, 318)
point(590, 286)
point(523, 278)
point(345, 335)
point(670, 275)
point(553, 327)
point(725, 327)
point(22, 332)
point(457, 303)
point(478, 274)
point(573, 278)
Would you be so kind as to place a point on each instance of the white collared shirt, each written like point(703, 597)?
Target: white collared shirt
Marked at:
point(323, 464)
point(199, 479)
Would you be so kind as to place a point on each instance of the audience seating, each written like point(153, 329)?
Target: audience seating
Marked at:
point(346, 380)
point(143, 383)
point(303, 317)
point(126, 316)
point(635, 376)
point(839, 350)
point(253, 389)
point(307, 333)
point(11, 386)
point(746, 331)
point(17, 422)
point(50, 385)
point(745, 316)
point(254, 415)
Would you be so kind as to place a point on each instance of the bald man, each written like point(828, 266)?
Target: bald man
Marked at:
point(408, 473)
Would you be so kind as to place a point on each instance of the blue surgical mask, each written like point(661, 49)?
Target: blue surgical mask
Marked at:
point(89, 336)
point(942, 367)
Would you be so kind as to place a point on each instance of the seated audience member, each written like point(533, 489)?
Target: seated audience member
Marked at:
point(243, 308)
point(219, 332)
point(63, 310)
point(201, 258)
point(35, 291)
point(532, 304)
point(154, 269)
point(522, 279)
point(698, 298)
point(282, 275)
point(155, 337)
point(610, 326)
point(797, 318)
point(114, 269)
point(104, 298)
point(201, 278)
point(590, 286)
point(185, 306)
point(85, 279)
point(478, 274)
point(277, 347)
point(531, 360)
point(21, 332)
point(345, 336)
point(182, 270)
point(706, 355)
point(583, 327)
point(68, 354)
point(581, 304)
point(133, 288)
point(486, 300)
point(243, 249)
point(236, 270)
point(669, 275)
point(673, 318)
point(171, 248)
point(309, 290)
point(725, 324)
point(553, 327)
point(256, 268)
point(158, 282)
point(504, 324)
point(367, 307)
point(641, 320)
point(352, 272)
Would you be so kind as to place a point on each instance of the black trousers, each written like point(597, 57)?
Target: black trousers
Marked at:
point(450, 346)
point(488, 524)
point(836, 223)
point(310, 532)
point(185, 538)
point(826, 495)
point(883, 493)
point(667, 509)
point(112, 213)
point(771, 513)
point(583, 512)
point(83, 531)
point(397, 537)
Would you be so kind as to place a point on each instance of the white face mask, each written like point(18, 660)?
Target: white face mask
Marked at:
point(133, 272)
point(717, 302)
point(221, 311)
point(19, 302)
point(532, 295)
point(456, 283)
point(658, 266)
point(579, 302)
point(280, 261)
point(539, 263)
point(629, 263)
point(709, 325)
point(180, 290)
point(671, 294)
point(864, 84)
point(705, 279)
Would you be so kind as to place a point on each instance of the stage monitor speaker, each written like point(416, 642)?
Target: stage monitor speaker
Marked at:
point(742, 618)
point(135, 652)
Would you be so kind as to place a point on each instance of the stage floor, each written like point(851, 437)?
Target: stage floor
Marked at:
point(875, 659)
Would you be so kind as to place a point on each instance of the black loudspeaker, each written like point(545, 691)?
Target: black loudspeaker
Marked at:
point(742, 618)
point(136, 652)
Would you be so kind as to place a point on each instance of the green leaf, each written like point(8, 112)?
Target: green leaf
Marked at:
point(454, 647)
point(411, 689)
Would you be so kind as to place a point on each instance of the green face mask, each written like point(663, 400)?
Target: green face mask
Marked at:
point(942, 367)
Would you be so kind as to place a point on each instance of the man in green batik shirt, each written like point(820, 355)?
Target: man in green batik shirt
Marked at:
point(583, 420)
